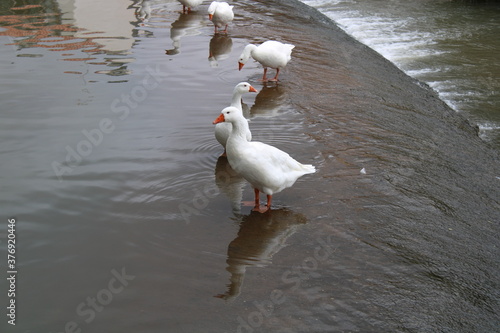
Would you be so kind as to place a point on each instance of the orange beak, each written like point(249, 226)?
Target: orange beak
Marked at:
point(252, 89)
point(220, 119)
point(210, 17)
point(240, 65)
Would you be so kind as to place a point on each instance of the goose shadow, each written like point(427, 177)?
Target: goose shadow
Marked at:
point(230, 183)
point(268, 102)
point(186, 25)
point(220, 47)
point(259, 238)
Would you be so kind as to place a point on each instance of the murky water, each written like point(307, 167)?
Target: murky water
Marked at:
point(451, 45)
point(128, 219)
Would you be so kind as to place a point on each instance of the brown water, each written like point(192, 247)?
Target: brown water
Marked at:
point(129, 221)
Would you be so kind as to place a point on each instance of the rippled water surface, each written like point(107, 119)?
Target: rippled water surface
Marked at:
point(110, 164)
point(451, 45)
point(128, 219)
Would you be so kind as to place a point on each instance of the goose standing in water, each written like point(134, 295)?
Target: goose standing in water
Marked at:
point(189, 4)
point(221, 14)
point(269, 54)
point(267, 168)
point(223, 130)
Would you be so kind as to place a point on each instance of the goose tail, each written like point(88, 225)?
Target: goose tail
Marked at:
point(308, 168)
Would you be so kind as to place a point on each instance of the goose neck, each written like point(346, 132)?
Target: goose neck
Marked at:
point(236, 101)
point(250, 48)
point(240, 128)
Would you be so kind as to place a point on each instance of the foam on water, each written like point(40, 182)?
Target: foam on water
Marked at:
point(450, 46)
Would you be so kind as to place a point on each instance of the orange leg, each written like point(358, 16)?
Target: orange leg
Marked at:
point(264, 78)
point(269, 199)
point(257, 208)
point(257, 199)
point(276, 77)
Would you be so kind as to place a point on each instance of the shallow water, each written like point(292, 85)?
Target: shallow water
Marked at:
point(112, 163)
point(128, 219)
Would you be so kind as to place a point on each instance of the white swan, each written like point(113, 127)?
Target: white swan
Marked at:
point(266, 168)
point(189, 4)
point(223, 130)
point(221, 14)
point(269, 54)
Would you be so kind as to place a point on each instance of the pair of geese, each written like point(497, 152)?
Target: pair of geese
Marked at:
point(269, 54)
point(268, 169)
point(220, 13)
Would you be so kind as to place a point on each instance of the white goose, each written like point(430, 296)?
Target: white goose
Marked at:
point(189, 4)
point(221, 14)
point(269, 54)
point(223, 130)
point(266, 168)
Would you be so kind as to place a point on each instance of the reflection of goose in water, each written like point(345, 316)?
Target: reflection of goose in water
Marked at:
point(230, 183)
point(260, 237)
point(268, 102)
point(223, 130)
point(220, 46)
point(185, 25)
point(189, 4)
point(142, 10)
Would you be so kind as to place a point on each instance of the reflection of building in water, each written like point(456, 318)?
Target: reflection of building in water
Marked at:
point(260, 237)
point(77, 24)
point(78, 29)
point(220, 47)
point(185, 25)
point(32, 26)
point(106, 22)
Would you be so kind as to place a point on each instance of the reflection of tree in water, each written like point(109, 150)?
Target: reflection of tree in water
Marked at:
point(260, 237)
